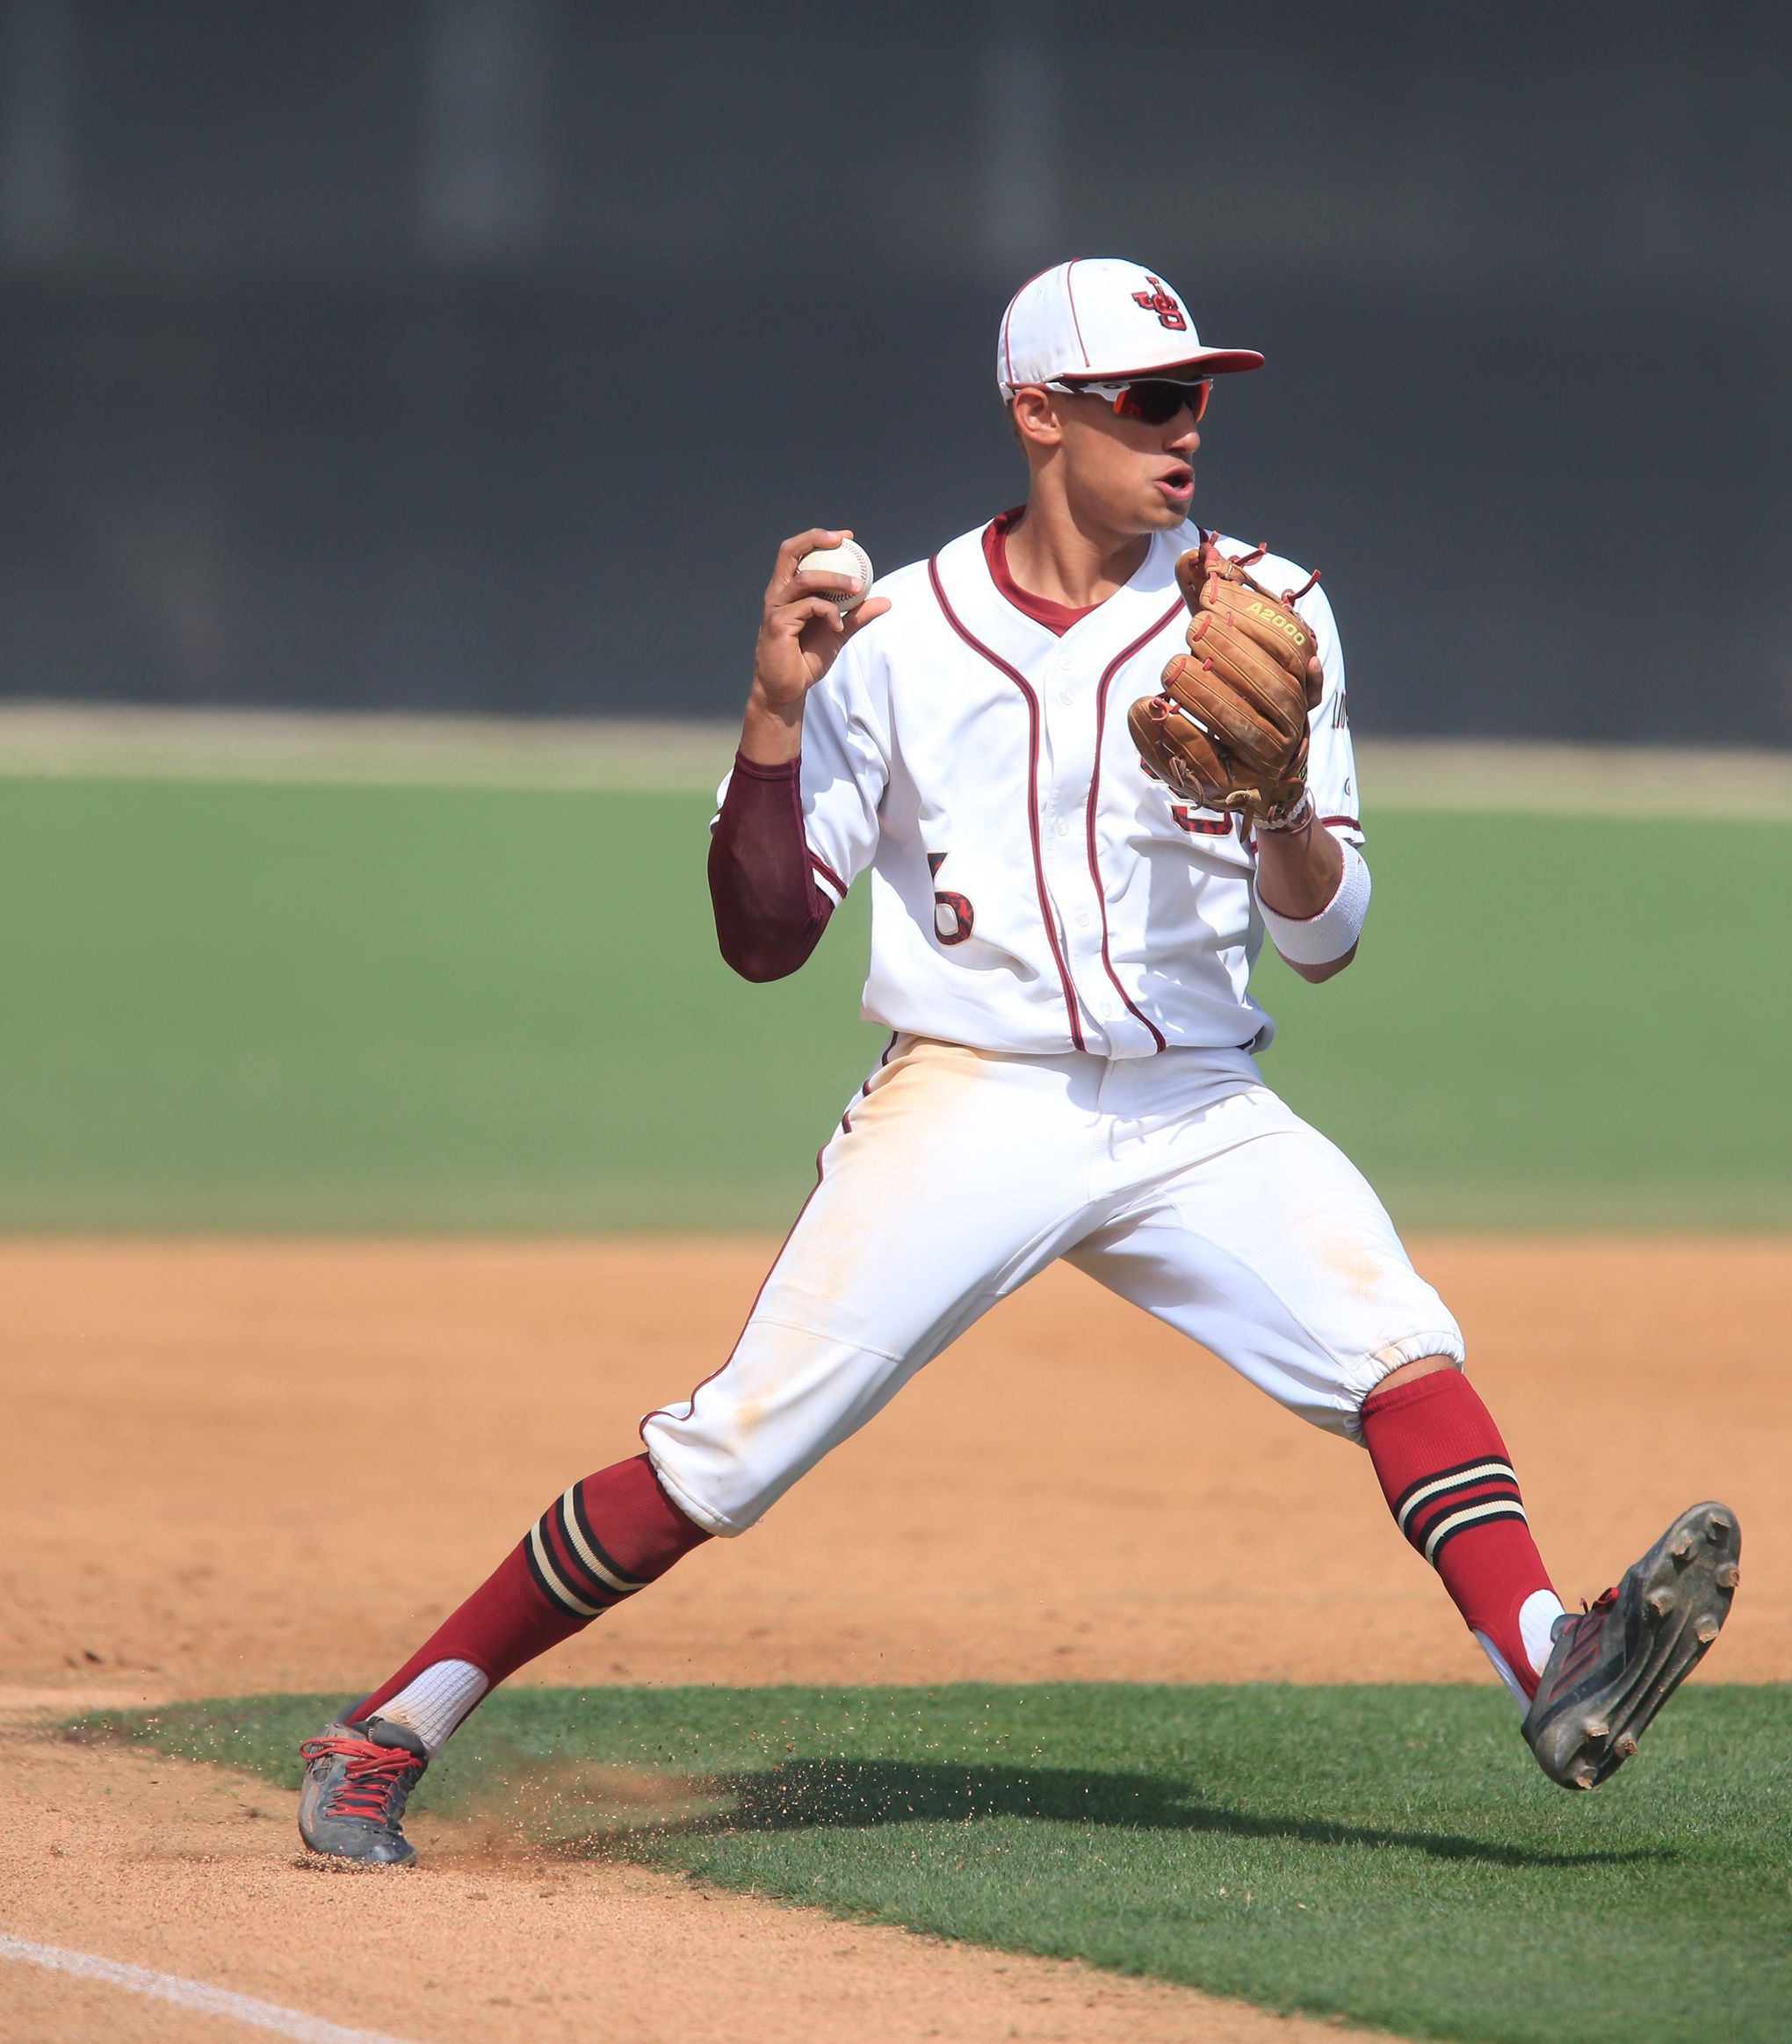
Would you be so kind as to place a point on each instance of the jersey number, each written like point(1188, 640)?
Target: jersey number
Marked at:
point(954, 917)
point(1199, 824)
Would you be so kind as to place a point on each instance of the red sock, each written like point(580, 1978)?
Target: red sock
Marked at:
point(1450, 1484)
point(606, 1538)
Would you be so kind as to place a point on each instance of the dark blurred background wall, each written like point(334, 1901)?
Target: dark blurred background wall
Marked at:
point(472, 354)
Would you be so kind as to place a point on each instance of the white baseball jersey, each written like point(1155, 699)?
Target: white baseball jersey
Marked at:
point(1033, 889)
point(1060, 950)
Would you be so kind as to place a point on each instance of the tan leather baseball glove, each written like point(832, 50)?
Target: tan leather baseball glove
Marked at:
point(1230, 729)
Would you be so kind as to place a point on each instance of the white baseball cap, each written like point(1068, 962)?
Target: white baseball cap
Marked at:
point(1100, 318)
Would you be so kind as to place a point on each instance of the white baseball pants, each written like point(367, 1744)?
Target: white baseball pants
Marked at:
point(1180, 1181)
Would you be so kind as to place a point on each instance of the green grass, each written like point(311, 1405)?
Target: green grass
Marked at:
point(1558, 1023)
point(1387, 1855)
point(317, 1007)
point(266, 1007)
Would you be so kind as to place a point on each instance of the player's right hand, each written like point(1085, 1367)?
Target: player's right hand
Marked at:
point(800, 627)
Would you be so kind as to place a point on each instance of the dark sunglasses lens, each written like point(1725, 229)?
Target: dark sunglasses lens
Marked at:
point(1158, 403)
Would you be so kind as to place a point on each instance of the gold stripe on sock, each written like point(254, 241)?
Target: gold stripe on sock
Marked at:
point(544, 1560)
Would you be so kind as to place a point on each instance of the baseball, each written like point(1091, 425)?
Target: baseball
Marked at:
point(851, 558)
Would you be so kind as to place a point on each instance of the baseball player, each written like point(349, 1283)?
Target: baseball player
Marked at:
point(1086, 758)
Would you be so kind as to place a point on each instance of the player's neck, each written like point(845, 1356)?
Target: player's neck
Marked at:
point(1051, 554)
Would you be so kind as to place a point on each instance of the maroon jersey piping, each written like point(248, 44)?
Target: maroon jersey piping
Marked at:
point(1032, 701)
point(1114, 666)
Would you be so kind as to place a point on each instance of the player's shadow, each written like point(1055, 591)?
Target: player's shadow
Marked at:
point(858, 1794)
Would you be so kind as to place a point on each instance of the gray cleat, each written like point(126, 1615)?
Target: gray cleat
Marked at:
point(1613, 1667)
point(356, 1779)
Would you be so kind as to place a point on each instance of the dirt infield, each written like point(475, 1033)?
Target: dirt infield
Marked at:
point(235, 1468)
point(192, 1872)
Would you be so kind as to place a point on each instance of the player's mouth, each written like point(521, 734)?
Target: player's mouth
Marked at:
point(1177, 483)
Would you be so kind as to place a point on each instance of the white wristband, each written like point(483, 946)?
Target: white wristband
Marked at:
point(1317, 940)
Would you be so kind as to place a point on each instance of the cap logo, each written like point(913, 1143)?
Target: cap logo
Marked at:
point(1158, 301)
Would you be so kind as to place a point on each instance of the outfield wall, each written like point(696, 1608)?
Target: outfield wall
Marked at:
point(475, 354)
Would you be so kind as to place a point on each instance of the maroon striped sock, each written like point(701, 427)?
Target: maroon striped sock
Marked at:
point(604, 1539)
point(1450, 1484)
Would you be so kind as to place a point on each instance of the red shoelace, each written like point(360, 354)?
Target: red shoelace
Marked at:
point(374, 1772)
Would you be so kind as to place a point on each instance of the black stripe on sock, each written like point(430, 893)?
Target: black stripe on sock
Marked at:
point(548, 1588)
point(1486, 1518)
point(572, 1565)
point(1500, 1465)
point(598, 1546)
point(1436, 1510)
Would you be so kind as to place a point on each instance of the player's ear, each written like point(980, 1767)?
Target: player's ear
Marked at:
point(1034, 416)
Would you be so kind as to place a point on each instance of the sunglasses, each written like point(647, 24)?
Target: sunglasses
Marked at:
point(1154, 400)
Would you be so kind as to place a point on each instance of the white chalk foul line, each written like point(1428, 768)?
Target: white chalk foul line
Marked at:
point(188, 1994)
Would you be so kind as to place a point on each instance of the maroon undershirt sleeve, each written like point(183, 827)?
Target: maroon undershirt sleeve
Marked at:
point(770, 913)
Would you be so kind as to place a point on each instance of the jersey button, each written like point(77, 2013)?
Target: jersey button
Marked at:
point(1062, 827)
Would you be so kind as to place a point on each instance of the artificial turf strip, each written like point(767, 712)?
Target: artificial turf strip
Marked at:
point(1387, 1855)
point(257, 1008)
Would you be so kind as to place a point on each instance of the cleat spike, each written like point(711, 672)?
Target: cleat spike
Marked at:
point(1624, 1744)
point(1597, 1733)
point(1657, 1603)
point(1718, 1527)
point(1682, 1549)
point(1705, 1631)
point(1583, 1777)
point(1727, 1575)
